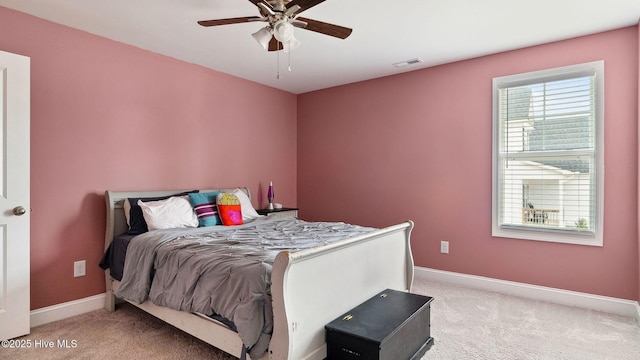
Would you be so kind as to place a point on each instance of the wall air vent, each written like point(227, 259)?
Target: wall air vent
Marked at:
point(407, 62)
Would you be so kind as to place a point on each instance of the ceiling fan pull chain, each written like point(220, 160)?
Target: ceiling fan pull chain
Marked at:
point(278, 64)
point(289, 68)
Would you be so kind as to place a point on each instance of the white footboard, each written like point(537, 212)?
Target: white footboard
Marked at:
point(312, 287)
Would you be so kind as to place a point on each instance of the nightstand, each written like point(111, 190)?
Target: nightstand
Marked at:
point(282, 212)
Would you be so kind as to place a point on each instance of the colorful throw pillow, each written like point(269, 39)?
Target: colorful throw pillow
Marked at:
point(204, 204)
point(174, 212)
point(229, 209)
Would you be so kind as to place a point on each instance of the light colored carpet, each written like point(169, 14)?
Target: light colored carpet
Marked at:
point(474, 324)
point(466, 324)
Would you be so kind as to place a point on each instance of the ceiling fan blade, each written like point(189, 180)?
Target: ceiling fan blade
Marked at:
point(324, 28)
point(275, 45)
point(304, 4)
point(230, 21)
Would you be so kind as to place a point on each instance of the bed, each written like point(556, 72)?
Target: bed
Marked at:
point(309, 287)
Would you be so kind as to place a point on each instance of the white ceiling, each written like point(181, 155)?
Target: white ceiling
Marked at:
point(384, 32)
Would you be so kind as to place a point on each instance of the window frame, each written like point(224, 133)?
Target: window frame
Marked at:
point(569, 236)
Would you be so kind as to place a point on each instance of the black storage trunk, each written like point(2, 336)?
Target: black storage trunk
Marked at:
point(392, 325)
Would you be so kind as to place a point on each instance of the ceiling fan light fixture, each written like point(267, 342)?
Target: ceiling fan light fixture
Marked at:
point(283, 31)
point(291, 45)
point(263, 36)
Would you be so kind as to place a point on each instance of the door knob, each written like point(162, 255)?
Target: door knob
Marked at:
point(19, 210)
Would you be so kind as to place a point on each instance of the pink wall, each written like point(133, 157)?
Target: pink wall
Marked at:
point(418, 146)
point(105, 115)
point(110, 116)
point(638, 89)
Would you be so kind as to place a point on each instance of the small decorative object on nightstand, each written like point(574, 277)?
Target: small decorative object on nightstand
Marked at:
point(270, 195)
point(279, 212)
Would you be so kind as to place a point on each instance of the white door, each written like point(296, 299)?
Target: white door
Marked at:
point(14, 195)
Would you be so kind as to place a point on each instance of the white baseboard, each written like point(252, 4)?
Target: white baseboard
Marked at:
point(564, 297)
point(62, 311)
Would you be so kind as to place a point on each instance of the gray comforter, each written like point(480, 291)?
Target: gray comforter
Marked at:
point(224, 270)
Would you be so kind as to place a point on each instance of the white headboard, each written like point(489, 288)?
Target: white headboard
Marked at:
point(116, 221)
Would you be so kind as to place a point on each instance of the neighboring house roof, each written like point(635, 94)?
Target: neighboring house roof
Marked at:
point(555, 134)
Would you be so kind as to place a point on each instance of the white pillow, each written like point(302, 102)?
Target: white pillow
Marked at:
point(174, 212)
point(248, 212)
point(127, 211)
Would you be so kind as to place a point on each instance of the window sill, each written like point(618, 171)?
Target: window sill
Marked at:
point(549, 235)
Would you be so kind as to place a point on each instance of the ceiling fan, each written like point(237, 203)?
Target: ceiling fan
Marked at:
point(282, 17)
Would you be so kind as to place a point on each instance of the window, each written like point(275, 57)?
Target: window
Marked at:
point(548, 167)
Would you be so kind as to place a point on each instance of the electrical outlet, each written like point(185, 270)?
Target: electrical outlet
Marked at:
point(79, 268)
point(444, 247)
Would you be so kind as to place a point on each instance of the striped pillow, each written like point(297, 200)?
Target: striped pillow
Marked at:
point(204, 205)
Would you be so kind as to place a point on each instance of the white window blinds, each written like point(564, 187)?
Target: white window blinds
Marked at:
point(546, 172)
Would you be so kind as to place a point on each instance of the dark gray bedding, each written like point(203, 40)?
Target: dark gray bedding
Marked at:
point(224, 270)
point(115, 254)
